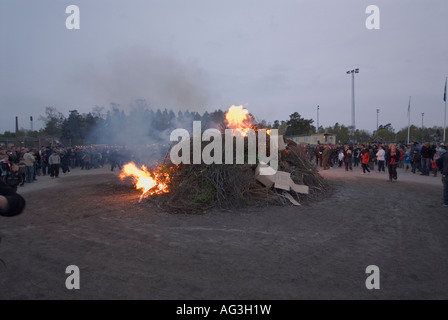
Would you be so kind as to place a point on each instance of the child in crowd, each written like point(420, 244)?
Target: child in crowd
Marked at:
point(434, 166)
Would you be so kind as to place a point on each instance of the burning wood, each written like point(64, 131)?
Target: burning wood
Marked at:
point(149, 182)
point(199, 186)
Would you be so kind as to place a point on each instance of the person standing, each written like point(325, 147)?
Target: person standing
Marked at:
point(393, 157)
point(441, 149)
point(65, 162)
point(407, 159)
point(29, 162)
point(416, 161)
point(21, 172)
point(380, 157)
point(443, 166)
point(38, 163)
point(87, 159)
point(11, 203)
point(434, 166)
point(426, 154)
point(341, 157)
point(54, 161)
point(348, 159)
point(317, 155)
point(356, 156)
point(365, 159)
point(44, 160)
point(114, 160)
point(326, 157)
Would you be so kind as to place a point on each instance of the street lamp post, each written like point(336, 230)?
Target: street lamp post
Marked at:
point(377, 113)
point(317, 130)
point(352, 72)
point(422, 125)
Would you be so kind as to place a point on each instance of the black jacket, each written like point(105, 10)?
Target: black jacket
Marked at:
point(442, 163)
point(16, 203)
point(427, 152)
point(396, 156)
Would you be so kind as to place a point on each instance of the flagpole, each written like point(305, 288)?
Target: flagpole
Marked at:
point(444, 118)
point(409, 118)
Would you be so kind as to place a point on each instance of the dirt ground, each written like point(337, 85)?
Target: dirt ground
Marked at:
point(130, 250)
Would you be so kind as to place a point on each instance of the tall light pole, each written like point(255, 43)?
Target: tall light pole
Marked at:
point(352, 72)
point(317, 130)
point(422, 125)
point(377, 113)
point(444, 116)
point(409, 119)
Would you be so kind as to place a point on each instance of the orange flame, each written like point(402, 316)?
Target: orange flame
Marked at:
point(149, 182)
point(239, 120)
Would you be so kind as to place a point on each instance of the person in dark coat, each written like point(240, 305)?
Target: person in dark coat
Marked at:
point(348, 159)
point(393, 157)
point(11, 203)
point(65, 162)
point(442, 163)
point(426, 156)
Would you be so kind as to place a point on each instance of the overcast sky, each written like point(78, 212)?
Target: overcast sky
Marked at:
point(278, 57)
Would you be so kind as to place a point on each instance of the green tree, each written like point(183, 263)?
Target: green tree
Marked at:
point(385, 133)
point(362, 136)
point(342, 132)
point(297, 125)
point(53, 121)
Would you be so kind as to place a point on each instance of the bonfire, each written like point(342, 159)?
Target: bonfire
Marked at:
point(199, 187)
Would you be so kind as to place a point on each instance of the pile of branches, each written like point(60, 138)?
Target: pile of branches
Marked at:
point(295, 161)
point(195, 188)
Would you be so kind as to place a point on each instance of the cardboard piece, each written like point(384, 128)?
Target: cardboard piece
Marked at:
point(279, 179)
point(291, 199)
point(283, 180)
point(300, 188)
point(265, 174)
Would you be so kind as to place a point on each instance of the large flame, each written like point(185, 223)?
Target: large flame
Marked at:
point(239, 119)
point(149, 182)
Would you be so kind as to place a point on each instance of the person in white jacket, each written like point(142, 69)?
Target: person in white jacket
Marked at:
point(54, 161)
point(381, 158)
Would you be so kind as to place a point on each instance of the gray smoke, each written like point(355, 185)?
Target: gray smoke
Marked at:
point(163, 81)
point(132, 86)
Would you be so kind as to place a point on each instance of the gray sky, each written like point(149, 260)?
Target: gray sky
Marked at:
point(278, 57)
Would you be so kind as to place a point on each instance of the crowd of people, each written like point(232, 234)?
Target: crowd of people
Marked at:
point(19, 166)
point(418, 158)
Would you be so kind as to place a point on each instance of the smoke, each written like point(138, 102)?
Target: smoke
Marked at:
point(136, 84)
point(163, 81)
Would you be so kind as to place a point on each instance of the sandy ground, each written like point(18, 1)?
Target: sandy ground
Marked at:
point(127, 250)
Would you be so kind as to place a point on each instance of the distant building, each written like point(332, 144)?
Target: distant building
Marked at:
point(322, 138)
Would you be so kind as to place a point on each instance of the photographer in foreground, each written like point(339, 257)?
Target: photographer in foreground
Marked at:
point(11, 203)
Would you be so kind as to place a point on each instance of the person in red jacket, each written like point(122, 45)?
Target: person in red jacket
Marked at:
point(365, 156)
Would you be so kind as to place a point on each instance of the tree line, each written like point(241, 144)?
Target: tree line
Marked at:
point(100, 127)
